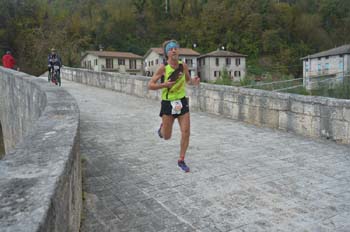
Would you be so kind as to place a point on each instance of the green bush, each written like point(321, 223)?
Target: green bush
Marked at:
point(224, 78)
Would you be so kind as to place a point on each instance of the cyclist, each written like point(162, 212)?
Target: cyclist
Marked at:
point(54, 66)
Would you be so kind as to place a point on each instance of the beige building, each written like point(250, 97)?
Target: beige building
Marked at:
point(211, 65)
point(123, 62)
point(331, 64)
point(155, 56)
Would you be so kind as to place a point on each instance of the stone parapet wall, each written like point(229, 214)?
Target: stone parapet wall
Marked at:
point(317, 117)
point(40, 174)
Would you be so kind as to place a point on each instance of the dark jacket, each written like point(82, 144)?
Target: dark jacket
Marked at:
point(54, 59)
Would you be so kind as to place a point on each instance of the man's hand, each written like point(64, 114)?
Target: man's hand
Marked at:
point(195, 80)
point(169, 84)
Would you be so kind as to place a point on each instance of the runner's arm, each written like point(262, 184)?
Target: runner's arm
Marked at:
point(153, 84)
point(189, 79)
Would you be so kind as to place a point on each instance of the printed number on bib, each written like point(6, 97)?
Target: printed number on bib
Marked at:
point(176, 107)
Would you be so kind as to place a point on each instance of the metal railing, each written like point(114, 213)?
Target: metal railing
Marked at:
point(277, 85)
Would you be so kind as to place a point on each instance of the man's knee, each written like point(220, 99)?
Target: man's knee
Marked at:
point(166, 136)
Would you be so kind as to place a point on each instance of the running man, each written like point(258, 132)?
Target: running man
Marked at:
point(174, 75)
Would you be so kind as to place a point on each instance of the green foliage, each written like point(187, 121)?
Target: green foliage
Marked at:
point(274, 34)
point(224, 78)
point(247, 80)
point(338, 90)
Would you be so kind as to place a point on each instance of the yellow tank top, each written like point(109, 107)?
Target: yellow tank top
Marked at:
point(176, 92)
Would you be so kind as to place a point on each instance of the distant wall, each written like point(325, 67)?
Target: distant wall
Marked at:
point(40, 174)
point(2, 146)
point(317, 117)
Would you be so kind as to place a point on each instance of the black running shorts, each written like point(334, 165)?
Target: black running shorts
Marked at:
point(166, 108)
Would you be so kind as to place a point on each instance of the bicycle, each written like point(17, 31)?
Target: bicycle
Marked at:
point(54, 75)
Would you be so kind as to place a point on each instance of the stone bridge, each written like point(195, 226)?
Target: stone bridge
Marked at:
point(260, 161)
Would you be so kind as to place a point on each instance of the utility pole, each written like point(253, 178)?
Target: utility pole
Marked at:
point(166, 6)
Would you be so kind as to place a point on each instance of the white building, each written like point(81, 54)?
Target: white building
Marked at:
point(155, 56)
point(211, 65)
point(123, 62)
point(333, 63)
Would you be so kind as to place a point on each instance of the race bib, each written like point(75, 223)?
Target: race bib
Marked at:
point(176, 107)
point(56, 67)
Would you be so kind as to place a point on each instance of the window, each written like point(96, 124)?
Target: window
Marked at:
point(238, 61)
point(319, 67)
point(157, 61)
point(95, 61)
point(237, 73)
point(89, 64)
point(326, 66)
point(152, 63)
point(306, 67)
point(228, 61)
point(217, 61)
point(109, 63)
point(121, 61)
point(341, 65)
point(132, 64)
point(189, 62)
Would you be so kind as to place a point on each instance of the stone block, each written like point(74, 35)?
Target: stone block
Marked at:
point(270, 118)
point(227, 108)
point(316, 127)
point(311, 109)
point(297, 107)
point(346, 114)
point(339, 130)
point(336, 113)
point(253, 115)
point(230, 97)
point(303, 125)
point(283, 120)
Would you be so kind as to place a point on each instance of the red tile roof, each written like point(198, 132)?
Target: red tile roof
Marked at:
point(221, 53)
point(182, 52)
point(114, 54)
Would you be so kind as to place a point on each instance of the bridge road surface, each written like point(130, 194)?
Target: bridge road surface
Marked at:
point(243, 178)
